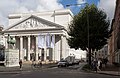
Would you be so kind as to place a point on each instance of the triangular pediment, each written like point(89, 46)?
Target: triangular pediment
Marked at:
point(33, 22)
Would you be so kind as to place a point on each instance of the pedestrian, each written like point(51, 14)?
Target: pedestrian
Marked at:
point(20, 63)
point(40, 64)
point(94, 65)
point(99, 65)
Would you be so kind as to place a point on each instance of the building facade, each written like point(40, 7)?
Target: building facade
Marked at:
point(39, 36)
point(114, 41)
point(102, 53)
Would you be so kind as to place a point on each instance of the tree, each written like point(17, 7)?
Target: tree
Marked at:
point(89, 29)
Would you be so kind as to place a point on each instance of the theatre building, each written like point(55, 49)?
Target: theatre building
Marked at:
point(39, 36)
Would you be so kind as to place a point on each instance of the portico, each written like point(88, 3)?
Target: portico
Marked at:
point(40, 36)
point(28, 41)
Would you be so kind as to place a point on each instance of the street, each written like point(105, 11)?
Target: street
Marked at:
point(54, 72)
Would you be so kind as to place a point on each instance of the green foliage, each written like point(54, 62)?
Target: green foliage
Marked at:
point(96, 20)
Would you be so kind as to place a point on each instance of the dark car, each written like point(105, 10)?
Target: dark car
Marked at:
point(62, 63)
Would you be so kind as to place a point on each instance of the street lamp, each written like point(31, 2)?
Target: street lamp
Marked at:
point(87, 26)
point(68, 5)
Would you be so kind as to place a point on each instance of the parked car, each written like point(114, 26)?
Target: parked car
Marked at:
point(63, 63)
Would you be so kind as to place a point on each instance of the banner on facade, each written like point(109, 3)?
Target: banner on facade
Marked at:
point(53, 41)
point(41, 41)
point(50, 41)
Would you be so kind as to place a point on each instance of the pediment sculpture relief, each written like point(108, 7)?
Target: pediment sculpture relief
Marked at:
point(30, 23)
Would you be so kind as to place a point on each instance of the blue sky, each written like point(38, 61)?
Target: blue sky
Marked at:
point(65, 2)
point(75, 9)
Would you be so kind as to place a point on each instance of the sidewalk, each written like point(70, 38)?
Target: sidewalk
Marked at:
point(25, 67)
point(110, 70)
point(113, 73)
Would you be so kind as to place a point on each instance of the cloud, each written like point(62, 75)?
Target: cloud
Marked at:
point(108, 6)
point(25, 6)
point(22, 10)
point(81, 1)
point(48, 5)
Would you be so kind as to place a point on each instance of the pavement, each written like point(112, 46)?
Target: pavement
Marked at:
point(109, 70)
point(25, 67)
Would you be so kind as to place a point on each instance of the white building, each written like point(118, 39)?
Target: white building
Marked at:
point(102, 53)
point(40, 36)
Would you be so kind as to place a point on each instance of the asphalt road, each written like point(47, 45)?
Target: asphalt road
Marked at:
point(54, 73)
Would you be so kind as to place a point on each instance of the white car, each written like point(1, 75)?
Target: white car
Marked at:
point(62, 63)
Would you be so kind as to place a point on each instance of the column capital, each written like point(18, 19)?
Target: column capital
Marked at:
point(35, 35)
point(28, 35)
point(20, 36)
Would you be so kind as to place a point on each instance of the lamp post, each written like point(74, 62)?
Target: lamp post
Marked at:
point(87, 19)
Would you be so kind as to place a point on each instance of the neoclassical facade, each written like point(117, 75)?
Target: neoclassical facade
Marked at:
point(40, 36)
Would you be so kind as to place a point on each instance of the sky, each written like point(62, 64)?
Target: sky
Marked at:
point(25, 6)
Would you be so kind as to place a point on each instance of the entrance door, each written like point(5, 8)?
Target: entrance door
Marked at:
point(32, 56)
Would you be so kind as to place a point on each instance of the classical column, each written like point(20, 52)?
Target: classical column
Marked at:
point(40, 51)
point(53, 49)
point(21, 47)
point(36, 50)
point(63, 46)
point(57, 49)
point(6, 44)
point(61, 50)
point(45, 50)
point(28, 54)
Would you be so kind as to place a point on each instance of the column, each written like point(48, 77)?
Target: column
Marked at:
point(21, 47)
point(28, 54)
point(53, 50)
point(45, 50)
point(58, 49)
point(36, 50)
point(47, 53)
point(63, 46)
point(40, 51)
point(6, 44)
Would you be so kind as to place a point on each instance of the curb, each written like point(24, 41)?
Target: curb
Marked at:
point(89, 71)
point(108, 74)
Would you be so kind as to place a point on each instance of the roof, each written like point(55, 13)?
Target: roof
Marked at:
point(40, 19)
